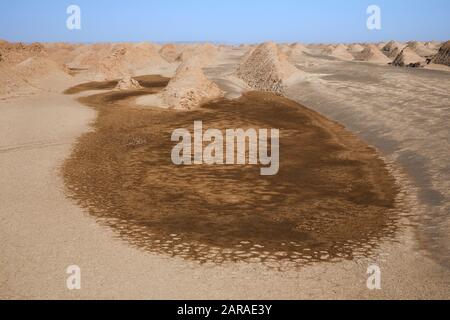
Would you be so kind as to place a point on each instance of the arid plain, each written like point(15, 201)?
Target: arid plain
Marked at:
point(87, 177)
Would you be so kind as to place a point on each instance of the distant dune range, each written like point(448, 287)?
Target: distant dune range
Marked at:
point(22, 65)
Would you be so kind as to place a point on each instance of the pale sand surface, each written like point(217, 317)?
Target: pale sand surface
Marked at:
point(404, 113)
point(42, 232)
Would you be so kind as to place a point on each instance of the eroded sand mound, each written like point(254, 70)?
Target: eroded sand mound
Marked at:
point(169, 52)
point(443, 55)
point(13, 85)
point(113, 61)
point(33, 75)
point(326, 49)
point(136, 59)
point(284, 48)
point(297, 50)
point(61, 53)
point(43, 73)
point(341, 52)
point(433, 45)
point(89, 55)
point(355, 48)
point(420, 49)
point(128, 83)
point(267, 69)
point(14, 53)
point(372, 54)
point(392, 49)
point(409, 58)
point(188, 89)
point(204, 54)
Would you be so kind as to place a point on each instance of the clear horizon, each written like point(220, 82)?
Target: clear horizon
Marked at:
point(229, 21)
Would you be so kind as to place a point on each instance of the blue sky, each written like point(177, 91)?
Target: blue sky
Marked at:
point(229, 21)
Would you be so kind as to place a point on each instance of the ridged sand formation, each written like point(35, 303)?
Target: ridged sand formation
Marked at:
point(372, 54)
point(409, 58)
point(188, 89)
point(128, 83)
point(341, 52)
point(443, 55)
point(421, 49)
point(392, 49)
point(267, 69)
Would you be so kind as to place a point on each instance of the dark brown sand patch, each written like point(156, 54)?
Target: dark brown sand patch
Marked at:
point(332, 198)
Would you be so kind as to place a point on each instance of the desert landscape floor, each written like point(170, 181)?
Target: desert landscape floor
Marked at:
point(43, 232)
point(405, 114)
point(332, 199)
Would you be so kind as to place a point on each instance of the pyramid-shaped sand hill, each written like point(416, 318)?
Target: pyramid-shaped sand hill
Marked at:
point(341, 52)
point(188, 89)
point(392, 49)
point(408, 58)
point(355, 48)
point(421, 49)
point(443, 55)
point(299, 48)
point(267, 69)
point(371, 53)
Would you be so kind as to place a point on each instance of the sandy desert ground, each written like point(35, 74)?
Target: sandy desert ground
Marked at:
point(61, 183)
